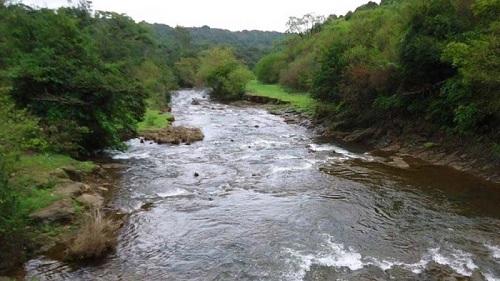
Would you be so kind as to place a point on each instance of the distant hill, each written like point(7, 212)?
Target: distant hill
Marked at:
point(250, 45)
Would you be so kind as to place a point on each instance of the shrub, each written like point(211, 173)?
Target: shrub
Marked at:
point(298, 76)
point(224, 74)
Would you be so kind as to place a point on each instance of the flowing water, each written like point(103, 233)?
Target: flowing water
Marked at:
point(272, 203)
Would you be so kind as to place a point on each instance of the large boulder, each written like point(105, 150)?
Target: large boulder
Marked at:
point(174, 135)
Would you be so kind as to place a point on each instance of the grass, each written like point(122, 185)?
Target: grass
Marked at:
point(36, 199)
point(301, 102)
point(44, 163)
point(154, 120)
point(33, 171)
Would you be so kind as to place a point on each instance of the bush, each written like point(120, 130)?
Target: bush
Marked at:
point(17, 130)
point(223, 74)
point(298, 76)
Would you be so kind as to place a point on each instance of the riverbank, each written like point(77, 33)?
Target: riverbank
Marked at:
point(60, 201)
point(395, 144)
point(64, 204)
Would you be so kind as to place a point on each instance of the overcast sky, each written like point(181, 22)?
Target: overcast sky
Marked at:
point(228, 14)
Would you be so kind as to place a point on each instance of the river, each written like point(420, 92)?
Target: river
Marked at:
point(271, 202)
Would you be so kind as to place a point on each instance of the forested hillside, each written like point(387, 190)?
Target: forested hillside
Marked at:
point(426, 67)
point(249, 46)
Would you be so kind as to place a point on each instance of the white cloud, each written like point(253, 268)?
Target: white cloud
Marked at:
point(233, 15)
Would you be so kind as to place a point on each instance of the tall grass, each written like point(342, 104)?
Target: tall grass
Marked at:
point(96, 236)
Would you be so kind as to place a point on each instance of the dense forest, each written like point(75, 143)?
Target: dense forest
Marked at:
point(249, 45)
point(415, 66)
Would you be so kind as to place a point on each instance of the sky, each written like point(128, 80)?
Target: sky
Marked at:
point(234, 15)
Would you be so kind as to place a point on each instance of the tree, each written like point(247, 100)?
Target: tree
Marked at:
point(307, 24)
point(57, 73)
point(223, 74)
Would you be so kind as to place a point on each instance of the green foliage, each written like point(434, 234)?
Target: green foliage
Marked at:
point(18, 132)
point(186, 69)
point(387, 102)
point(326, 83)
point(223, 74)
point(429, 145)
point(430, 28)
point(495, 148)
point(249, 46)
point(70, 67)
point(269, 68)
point(466, 117)
point(154, 120)
point(298, 74)
point(12, 218)
point(433, 62)
point(157, 80)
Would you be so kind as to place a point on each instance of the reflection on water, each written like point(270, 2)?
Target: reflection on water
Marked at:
point(270, 203)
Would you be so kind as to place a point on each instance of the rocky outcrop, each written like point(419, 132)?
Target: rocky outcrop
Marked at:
point(71, 189)
point(174, 135)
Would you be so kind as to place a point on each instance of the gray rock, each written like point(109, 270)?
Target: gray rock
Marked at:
point(477, 276)
point(90, 200)
point(398, 162)
point(103, 189)
point(70, 189)
point(58, 212)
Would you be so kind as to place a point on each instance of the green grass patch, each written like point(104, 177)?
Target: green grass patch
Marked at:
point(429, 145)
point(44, 163)
point(299, 101)
point(154, 120)
point(35, 199)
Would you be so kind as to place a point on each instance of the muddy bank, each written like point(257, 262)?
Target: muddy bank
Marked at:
point(262, 99)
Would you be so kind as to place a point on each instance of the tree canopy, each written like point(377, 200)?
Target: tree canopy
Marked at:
point(432, 61)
